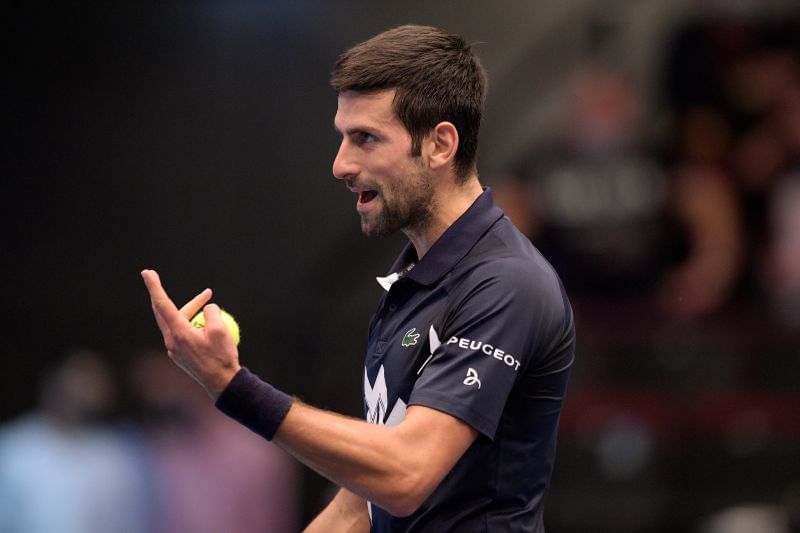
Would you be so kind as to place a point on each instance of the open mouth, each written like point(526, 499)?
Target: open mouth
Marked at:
point(366, 196)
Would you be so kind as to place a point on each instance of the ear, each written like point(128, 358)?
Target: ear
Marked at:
point(443, 142)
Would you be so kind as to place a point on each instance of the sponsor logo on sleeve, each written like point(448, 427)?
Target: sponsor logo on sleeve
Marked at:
point(472, 378)
point(487, 349)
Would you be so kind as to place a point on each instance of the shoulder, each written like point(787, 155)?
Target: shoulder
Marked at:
point(505, 278)
point(507, 261)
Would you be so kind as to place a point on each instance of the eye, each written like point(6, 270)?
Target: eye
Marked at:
point(362, 137)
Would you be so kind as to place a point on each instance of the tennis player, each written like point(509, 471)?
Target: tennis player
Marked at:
point(469, 350)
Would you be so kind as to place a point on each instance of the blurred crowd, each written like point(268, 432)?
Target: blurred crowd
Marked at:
point(688, 220)
point(675, 226)
point(171, 464)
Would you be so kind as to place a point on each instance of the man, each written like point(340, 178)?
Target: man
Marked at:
point(470, 348)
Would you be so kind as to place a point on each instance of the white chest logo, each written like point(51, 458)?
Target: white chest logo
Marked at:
point(377, 398)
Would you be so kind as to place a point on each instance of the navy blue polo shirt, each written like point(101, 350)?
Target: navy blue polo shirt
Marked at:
point(479, 328)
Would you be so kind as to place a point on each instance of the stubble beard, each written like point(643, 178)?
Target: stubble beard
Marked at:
point(410, 206)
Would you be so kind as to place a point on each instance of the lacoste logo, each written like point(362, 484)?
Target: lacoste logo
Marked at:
point(472, 378)
point(410, 338)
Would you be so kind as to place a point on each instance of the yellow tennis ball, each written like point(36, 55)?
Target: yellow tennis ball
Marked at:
point(199, 321)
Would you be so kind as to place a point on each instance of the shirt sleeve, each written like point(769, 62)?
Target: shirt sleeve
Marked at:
point(500, 328)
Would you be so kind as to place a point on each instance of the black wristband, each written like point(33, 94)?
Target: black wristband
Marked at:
point(253, 403)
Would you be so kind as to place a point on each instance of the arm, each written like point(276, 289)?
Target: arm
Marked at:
point(346, 512)
point(395, 467)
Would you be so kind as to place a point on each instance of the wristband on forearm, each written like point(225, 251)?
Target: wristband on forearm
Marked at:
point(253, 403)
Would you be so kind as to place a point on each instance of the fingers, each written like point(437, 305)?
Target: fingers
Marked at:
point(174, 322)
point(212, 314)
point(209, 354)
point(214, 325)
point(194, 305)
point(167, 315)
point(157, 294)
point(151, 281)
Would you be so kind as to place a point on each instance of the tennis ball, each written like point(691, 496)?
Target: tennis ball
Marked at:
point(199, 321)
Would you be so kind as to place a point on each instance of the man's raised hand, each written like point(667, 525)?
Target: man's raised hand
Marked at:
point(207, 354)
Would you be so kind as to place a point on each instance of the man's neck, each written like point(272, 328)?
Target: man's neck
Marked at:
point(450, 202)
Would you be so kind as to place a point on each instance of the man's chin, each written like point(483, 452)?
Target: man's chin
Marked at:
point(375, 228)
point(370, 230)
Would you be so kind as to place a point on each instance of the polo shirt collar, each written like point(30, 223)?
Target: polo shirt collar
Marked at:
point(450, 248)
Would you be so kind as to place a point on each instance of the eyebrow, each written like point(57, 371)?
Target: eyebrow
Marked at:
point(356, 129)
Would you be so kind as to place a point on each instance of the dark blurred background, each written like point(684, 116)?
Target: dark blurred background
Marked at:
point(650, 148)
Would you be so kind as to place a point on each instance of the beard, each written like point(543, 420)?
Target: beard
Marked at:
point(407, 204)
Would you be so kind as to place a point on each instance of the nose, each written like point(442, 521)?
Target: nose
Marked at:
point(343, 165)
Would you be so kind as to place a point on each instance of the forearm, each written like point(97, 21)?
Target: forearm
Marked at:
point(346, 512)
point(395, 467)
point(367, 459)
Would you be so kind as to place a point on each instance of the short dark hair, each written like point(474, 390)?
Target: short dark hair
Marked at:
point(436, 75)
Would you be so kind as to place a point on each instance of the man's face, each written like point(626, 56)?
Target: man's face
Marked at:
point(394, 188)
